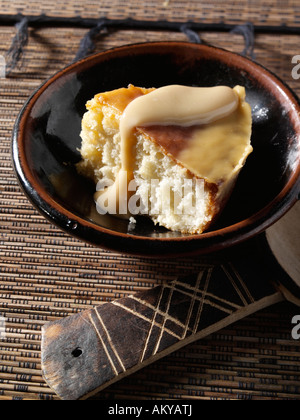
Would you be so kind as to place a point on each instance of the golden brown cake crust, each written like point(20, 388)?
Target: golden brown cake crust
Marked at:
point(120, 98)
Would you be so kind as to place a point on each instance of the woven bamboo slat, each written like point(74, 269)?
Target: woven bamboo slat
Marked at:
point(268, 11)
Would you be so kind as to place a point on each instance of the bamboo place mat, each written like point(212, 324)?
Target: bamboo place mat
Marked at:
point(46, 275)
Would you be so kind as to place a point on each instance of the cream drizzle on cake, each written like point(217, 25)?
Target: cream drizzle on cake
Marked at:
point(216, 121)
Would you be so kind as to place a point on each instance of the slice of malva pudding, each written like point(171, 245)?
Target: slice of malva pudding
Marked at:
point(182, 147)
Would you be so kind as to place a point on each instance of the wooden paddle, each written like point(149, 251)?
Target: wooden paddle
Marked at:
point(87, 352)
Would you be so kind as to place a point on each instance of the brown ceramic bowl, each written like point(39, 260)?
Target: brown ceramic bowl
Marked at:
point(46, 140)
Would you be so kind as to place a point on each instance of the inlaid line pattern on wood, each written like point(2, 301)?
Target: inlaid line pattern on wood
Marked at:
point(193, 303)
point(242, 291)
point(172, 312)
point(165, 317)
point(211, 299)
point(198, 317)
point(104, 337)
point(110, 340)
point(155, 313)
point(145, 318)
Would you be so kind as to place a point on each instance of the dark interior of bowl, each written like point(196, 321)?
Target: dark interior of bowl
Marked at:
point(53, 139)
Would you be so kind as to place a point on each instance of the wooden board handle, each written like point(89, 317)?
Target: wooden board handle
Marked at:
point(85, 353)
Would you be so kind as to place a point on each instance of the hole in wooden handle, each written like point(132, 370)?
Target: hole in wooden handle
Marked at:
point(77, 352)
